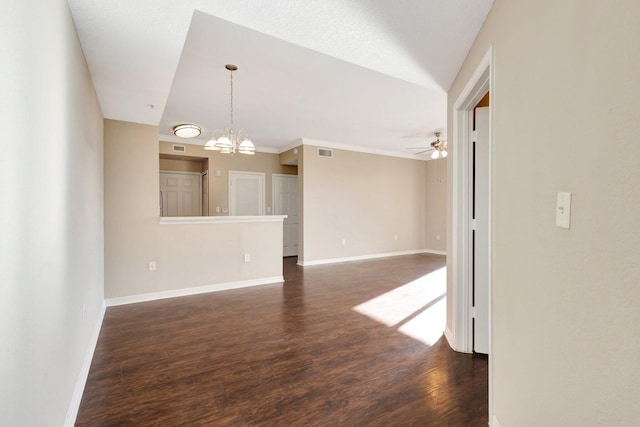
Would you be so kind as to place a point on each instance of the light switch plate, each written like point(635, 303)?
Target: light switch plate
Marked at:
point(563, 210)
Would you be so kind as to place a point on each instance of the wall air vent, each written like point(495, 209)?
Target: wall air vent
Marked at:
point(325, 152)
point(178, 148)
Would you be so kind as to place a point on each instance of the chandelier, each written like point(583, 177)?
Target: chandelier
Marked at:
point(231, 142)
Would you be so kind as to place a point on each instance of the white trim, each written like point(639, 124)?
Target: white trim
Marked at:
point(153, 296)
point(434, 252)
point(450, 336)
point(372, 256)
point(273, 203)
point(359, 149)
point(181, 172)
point(291, 146)
point(76, 397)
point(201, 142)
point(304, 141)
point(219, 219)
point(477, 86)
point(494, 422)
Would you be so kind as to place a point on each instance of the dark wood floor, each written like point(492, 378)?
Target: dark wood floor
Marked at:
point(281, 355)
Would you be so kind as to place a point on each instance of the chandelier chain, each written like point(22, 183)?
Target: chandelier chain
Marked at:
point(231, 130)
point(231, 142)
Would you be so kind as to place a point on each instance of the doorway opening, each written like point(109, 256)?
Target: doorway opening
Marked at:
point(285, 202)
point(464, 307)
point(460, 335)
point(184, 189)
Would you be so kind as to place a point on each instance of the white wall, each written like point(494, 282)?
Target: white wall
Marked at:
point(566, 303)
point(51, 217)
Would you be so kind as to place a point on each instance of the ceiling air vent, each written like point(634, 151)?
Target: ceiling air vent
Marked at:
point(325, 152)
point(178, 148)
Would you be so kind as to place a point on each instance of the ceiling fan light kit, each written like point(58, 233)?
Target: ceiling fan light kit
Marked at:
point(438, 147)
point(231, 142)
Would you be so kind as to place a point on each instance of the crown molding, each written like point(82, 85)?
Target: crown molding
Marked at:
point(201, 142)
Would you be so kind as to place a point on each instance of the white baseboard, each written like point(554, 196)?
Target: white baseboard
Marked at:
point(132, 299)
point(451, 338)
point(76, 398)
point(494, 422)
point(435, 252)
point(372, 256)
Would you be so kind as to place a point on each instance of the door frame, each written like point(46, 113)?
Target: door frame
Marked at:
point(273, 197)
point(460, 333)
point(204, 189)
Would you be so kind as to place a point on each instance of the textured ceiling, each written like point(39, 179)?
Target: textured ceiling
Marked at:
point(368, 73)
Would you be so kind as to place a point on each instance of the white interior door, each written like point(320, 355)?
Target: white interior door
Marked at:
point(480, 233)
point(246, 193)
point(285, 202)
point(180, 194)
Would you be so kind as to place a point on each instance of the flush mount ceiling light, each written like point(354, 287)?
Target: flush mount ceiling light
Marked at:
point(186, 131)
point(231, 142)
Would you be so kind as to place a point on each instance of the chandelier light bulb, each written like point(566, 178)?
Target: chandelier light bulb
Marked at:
point(246, 147)
point(211, 145)
point(434, 155)
point(444, 153)
point(224, 142)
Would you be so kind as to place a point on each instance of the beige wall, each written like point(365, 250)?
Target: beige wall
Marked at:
point(267, 163)
point(182, 165)
point(435, 236)
point(565, 304)
point(291, 156)
point(51, 220)
point(186, 255)
point(367, 200)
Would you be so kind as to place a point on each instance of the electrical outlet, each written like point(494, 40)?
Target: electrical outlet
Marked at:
point(395, 237)
point(437, 237)
point(247, 257)
point(152, 266)
point(344, 242)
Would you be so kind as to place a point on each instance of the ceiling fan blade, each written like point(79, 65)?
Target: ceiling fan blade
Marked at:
point(422, 152)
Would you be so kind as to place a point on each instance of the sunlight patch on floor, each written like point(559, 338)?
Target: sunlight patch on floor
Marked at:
point(429, 325)
point(417, 309)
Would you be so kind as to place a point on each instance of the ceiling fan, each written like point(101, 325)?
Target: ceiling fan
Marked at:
point(438, 147)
